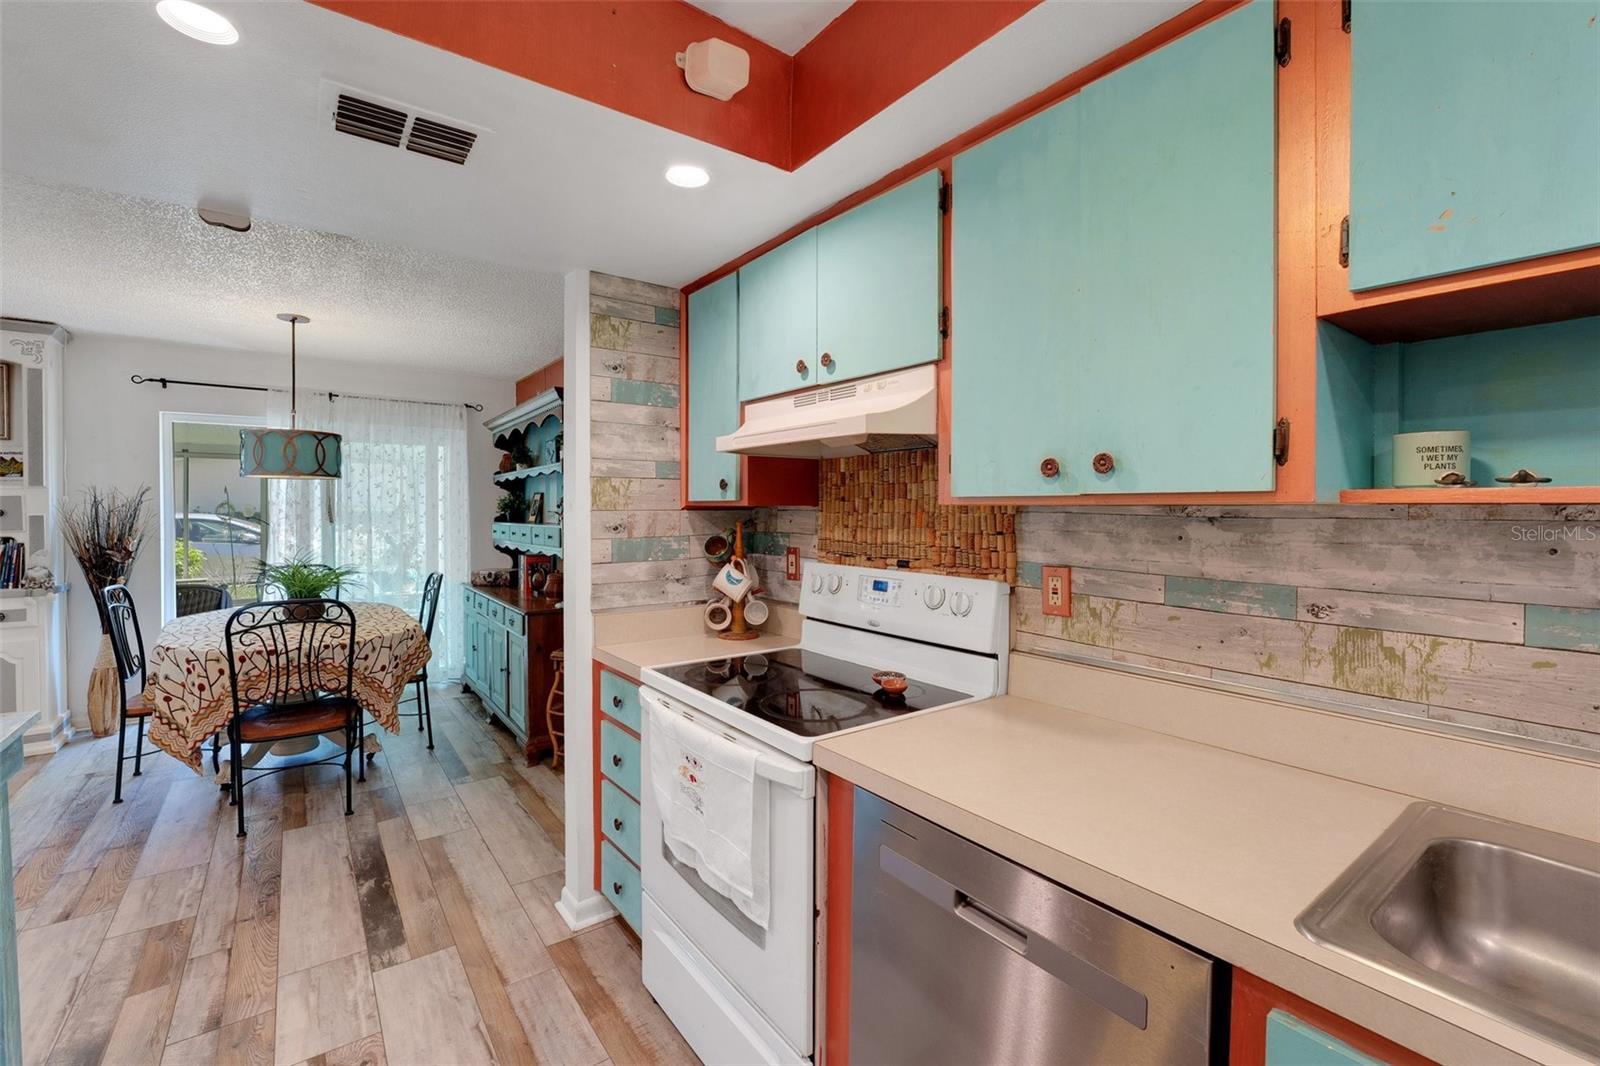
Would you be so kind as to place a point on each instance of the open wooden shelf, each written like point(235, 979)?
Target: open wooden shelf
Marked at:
point(526, 472)
point(1547, 494)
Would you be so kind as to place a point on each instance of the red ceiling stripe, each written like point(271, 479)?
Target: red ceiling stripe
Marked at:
point(875, 52)
point(621, 55)
point(617, 54)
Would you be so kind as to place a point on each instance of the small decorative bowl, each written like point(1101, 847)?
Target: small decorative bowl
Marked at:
point(891, 681)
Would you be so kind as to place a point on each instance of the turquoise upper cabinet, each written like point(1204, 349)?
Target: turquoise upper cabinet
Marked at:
point(778, 319)
point(1473, 135)
point(1291, 1042)
point(713, 390)
point(1016, 323)
point(1176, 196)
point(1113, 280)
point(878, 283)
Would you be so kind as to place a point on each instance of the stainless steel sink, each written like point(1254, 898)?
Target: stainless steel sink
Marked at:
point(1500, 917)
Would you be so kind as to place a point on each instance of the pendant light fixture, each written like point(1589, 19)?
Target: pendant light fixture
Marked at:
point(294, 452)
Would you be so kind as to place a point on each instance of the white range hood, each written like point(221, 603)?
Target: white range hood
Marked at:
point(890, 412)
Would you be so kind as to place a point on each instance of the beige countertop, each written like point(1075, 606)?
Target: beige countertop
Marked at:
point(633, 657)
point(1219, 849)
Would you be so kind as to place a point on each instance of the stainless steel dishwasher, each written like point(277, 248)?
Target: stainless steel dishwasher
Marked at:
point(961, 956)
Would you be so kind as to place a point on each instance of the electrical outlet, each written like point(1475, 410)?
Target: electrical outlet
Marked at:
point(1057, 581)
point(791, 564)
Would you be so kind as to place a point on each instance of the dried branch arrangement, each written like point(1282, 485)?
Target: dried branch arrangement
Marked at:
point(104, 531)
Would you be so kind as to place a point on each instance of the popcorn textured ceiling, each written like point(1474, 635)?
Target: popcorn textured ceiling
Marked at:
point(107, 263)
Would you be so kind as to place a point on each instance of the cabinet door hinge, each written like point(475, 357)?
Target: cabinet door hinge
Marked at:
point(944, 323)
point(1280, 442)
point(1344, 15)
point(1344, 241)
point(944, 198)
point(1280, 43)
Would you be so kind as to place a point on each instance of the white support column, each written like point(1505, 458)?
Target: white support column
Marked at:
point(580, 904)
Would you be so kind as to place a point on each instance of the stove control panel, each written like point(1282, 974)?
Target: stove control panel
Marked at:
point(958, 612)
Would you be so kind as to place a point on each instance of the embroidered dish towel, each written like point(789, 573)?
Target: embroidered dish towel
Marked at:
point(713, 808)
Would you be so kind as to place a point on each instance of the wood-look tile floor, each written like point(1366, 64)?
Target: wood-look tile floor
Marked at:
point(420, 930)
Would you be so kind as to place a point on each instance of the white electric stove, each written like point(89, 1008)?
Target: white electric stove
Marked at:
point(740, 993)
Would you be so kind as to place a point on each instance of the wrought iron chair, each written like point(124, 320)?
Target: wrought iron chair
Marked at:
point(298, 678)
point(425, 616)
point(127, 643)
point(198, 598)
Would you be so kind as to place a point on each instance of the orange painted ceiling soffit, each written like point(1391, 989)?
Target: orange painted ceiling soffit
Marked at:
point(875, 52)
point(621, 55)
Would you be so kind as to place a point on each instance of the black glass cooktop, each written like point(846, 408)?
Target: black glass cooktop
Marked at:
point(805, 692)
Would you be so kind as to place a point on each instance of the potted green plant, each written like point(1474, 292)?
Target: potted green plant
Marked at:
point(512, 507)
point(302, 579)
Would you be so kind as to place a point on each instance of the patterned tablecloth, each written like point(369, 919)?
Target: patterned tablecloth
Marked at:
point(191, 695)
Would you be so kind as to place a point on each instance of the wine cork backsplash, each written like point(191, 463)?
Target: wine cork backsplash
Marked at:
point(883, 510)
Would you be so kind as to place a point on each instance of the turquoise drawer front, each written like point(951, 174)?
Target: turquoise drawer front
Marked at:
point(619, 698)
point(619, 758)
point(619, 819)
point(619, 880)
point(1291, 1042)
point(515, 621)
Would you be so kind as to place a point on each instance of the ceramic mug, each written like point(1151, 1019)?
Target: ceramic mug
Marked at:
point(755, 611)
point(719, 614)
point(733, 580)
point(718, 547)
point(1420, 459)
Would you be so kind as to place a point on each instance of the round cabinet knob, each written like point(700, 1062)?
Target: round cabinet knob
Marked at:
point(616, 701)
point(616, 823)
point(1050, 467)
point(616, 760)
point(800, 367)
point(835, 582)
point(723, 484)
point(827, 360)
point(961, 604)
point(616, 888)
point(933, 598)
point(816, 582)
point(1103, 463)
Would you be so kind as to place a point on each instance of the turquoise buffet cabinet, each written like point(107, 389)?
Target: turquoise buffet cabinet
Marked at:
point(511, 633)
point(1474, 138)
point(857, 295)
point(1113, 278)
point(713, 391)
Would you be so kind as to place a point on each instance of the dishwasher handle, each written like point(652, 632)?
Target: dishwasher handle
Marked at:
point(1054, 959)
point(980, 917)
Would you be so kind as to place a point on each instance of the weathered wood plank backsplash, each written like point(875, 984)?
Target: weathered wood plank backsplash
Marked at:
point(1476, 616)
point(646, 551)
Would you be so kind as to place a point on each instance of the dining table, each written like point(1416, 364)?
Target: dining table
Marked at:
point(190, 690)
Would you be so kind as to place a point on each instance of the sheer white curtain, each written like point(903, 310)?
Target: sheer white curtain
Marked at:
point(398, 512)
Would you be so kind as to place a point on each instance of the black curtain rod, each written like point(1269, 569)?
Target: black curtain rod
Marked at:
point(140, 379)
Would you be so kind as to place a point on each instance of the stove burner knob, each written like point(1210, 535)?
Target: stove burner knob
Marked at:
point(816, 582)
point(961, 604)
point(835, 583)
point(933, 598)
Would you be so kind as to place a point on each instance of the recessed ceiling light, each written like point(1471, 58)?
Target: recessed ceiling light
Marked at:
point(201, 23)
point(687, 176)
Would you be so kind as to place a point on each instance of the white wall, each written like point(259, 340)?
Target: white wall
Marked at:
point(112, 440)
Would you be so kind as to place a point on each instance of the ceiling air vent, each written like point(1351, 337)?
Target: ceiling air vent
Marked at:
point(363, 118)
point(439, 140)
point(373, 117)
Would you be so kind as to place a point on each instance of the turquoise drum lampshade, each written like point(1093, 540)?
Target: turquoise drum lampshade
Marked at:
point(289, 453)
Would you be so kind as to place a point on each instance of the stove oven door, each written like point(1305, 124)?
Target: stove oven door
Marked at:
point(726, 982)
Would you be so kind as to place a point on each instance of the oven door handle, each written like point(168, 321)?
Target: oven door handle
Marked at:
point(798, 777)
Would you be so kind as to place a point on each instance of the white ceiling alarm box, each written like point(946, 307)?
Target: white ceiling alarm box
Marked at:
point(715, 67)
